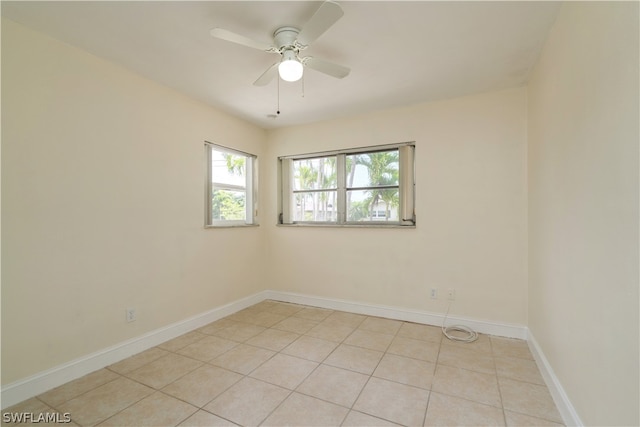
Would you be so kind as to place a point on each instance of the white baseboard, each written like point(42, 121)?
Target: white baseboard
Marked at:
point(398, 313)
point(566, 409)
point(34, 385)
point(41, 382)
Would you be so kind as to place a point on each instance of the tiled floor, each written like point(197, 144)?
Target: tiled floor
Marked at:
point(277, 364)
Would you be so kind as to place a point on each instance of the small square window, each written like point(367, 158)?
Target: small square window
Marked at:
point(231, 193)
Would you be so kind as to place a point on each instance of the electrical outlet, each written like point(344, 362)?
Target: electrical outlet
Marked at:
point(434, 293)
point(451, 294)
point(131, 314)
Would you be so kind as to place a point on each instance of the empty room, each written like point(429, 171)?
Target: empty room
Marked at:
point(349, 213)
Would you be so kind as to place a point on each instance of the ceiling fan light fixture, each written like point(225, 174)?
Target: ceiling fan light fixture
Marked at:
point(290, 69)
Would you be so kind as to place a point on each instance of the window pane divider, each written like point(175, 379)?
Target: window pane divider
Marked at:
point(320, 190)
point(229, 187)
point(341, 179)
point(376, 187)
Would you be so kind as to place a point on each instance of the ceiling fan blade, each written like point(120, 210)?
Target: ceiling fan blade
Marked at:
point(267, 76)
point(230, 36)
point(326, 67)
point(326, 15)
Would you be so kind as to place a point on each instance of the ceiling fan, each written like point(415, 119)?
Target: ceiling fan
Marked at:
point(289, 41)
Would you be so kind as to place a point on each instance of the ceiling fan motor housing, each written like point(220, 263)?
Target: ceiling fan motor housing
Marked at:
point(285, 38)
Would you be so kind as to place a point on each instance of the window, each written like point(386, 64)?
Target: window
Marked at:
point(365, 186)
point(231, 190)
point(315, 189)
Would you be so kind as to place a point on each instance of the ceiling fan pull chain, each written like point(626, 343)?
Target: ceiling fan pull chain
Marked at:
point(278, 111)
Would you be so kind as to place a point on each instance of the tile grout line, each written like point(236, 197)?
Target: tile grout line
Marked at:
point(493, 357)
point(435, 368)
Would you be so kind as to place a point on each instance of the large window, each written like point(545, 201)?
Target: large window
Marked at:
point(365, 186)
point(231, 193)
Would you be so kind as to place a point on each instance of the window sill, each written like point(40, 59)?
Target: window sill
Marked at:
point(232, 226)
point(378, 225)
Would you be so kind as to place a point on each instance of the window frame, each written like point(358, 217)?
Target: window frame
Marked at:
point(250, 188)
point(406, 187)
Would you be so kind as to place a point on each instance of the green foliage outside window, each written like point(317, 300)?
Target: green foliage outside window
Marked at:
point(228, 205)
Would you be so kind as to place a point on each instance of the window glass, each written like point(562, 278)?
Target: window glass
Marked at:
point(228, 205)
point(315, 174)
point(231, 187)
point(373, 169)
point(227, 168)
point(372, 205)
point(316, 206)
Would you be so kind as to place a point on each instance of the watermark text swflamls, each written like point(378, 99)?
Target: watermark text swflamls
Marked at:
point(30, 417)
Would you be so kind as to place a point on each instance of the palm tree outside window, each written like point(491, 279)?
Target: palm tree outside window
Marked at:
point(366, 186)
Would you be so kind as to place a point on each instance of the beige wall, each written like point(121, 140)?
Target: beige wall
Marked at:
point(583, 208)
point(103, 201)
point(470, 203)
point(103, 206)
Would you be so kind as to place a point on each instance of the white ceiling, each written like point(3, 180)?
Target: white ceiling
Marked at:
point(399, 52)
